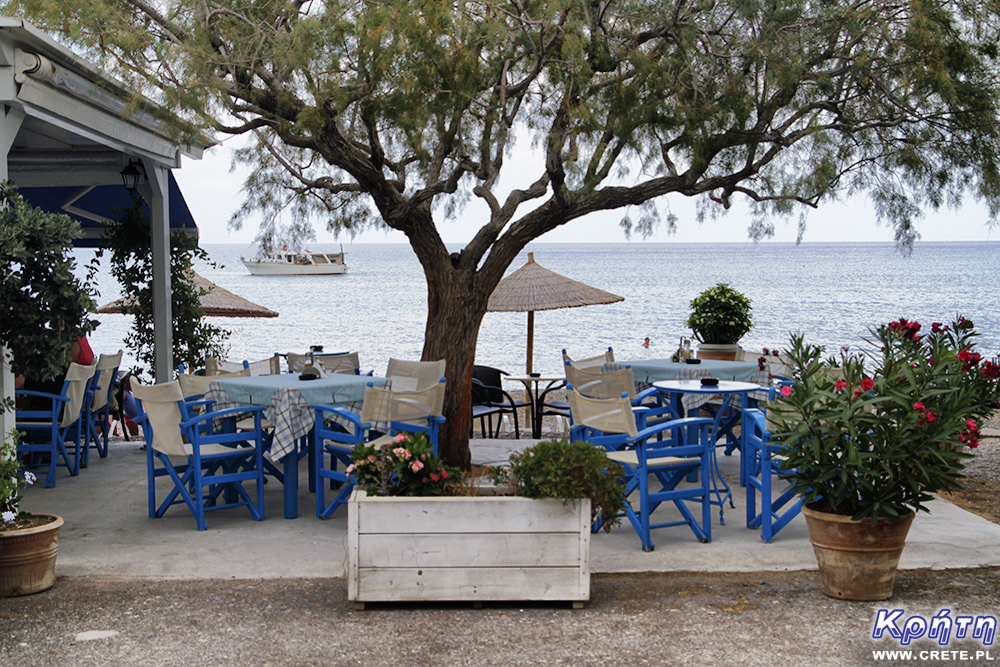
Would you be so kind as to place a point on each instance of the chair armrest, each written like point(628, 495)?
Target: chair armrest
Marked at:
point(344, 413)
point(27, 392)
point(243, 409)
point(669, 426)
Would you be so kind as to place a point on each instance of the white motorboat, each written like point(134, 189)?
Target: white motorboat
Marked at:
point(286, 263)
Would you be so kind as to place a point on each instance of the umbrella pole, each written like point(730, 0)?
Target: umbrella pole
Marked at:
point(531, 352)
point(531, 337)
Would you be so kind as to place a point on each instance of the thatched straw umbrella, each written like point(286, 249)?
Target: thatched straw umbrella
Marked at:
point(218, 301)
point(533, 287)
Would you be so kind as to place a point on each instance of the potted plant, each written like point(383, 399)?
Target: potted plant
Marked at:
point(869, 437)
point(412, 537)
point(720, 317)
point(29, 543)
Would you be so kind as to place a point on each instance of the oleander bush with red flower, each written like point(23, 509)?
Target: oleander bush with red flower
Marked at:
point(874, 433)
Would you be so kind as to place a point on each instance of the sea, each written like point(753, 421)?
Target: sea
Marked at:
point(833, 293)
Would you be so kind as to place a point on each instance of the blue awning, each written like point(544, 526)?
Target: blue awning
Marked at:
point(89, 206)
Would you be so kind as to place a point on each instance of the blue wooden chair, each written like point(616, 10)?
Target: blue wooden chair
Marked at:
point(763, 461)
point(384, 413)
point(103, 386)
point(646, 453)
point(45, 442)
point(207, 469)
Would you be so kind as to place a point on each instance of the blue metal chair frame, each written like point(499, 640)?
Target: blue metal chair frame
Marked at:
point(222, 470)
point(346, 431)
point(670, 461)
point(43, 434)
point(104, 381)
point(763, 467)
point(44, 426)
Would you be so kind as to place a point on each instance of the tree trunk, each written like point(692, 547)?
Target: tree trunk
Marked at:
point(455, 311)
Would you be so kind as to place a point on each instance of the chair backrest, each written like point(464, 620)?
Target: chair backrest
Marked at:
point(269, 366)
point(389, 405)
point(348, 363)
point(216, 366)
point(75, 387)
point(491, 380)
point(161, 405)
point(414, 375)
point(296, 362)
point(197, 385)
point(104, 378)
point(594, 384)
point(608, 415)
point(590, 362)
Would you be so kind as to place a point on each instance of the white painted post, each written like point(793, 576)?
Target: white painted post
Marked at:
point(159, 207)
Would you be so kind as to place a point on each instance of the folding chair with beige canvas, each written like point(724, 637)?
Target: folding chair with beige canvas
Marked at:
point(45, 432)
point(100, 412)
point(384, 413)
point(668, 453)
point(207, 468)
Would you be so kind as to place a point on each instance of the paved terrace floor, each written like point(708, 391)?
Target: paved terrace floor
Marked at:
point(107, 533)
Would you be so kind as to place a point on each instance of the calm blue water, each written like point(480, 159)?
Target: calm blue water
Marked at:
point(831, 292)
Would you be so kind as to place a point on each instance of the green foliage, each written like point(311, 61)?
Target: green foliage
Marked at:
point(42, 302)
point(567, 470)
point(405, 467)
point(12, 479)
point(720, 315)
point(129, 242)
point(782, 102)
point(877, 434)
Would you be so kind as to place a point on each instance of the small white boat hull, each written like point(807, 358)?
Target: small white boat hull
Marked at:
point(296, 264)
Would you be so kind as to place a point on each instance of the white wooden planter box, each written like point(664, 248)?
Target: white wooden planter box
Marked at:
point(467, 548)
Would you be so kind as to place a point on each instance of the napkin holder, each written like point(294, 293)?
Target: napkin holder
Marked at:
point(311, 373)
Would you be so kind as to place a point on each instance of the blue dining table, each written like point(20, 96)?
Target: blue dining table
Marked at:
point(286, 400)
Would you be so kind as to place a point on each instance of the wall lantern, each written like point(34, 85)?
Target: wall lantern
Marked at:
point(131, 174)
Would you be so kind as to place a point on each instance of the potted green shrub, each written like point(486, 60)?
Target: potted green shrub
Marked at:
point(406, 546)
point(867, 445)
point(29, 542)
point(39, 296)
point(720, 317)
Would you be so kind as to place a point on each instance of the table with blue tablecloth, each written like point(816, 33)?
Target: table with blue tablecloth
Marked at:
point(645, 372)
point(286, 400)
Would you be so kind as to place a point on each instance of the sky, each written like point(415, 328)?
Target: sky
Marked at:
point(212, 193)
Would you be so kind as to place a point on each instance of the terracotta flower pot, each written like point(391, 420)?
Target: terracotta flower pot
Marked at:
point(857, 561)
point(28, 558)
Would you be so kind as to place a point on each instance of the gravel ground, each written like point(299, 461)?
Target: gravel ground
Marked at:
point(660, 619)
point(640, 619)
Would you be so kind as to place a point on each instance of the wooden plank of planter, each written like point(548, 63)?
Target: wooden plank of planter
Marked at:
point(509, 514)
point(475, 584)
point(481, 549)
point(468, 548)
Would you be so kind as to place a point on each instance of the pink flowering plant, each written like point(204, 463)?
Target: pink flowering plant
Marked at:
point(406, 466)
point(874, 434)
point(12, 480)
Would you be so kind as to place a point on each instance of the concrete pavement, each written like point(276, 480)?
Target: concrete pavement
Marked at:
point(107, 533)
